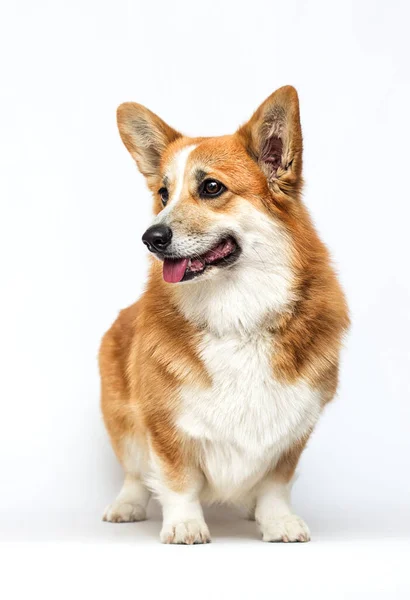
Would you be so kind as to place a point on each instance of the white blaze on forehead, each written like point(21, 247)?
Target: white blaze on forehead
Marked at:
point(176, 171)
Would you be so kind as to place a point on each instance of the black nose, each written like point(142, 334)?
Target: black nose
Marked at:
point(157, 238)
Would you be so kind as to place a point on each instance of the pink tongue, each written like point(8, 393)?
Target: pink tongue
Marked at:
point(174, 269)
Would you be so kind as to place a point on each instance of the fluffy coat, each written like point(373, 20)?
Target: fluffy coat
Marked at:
point(212, 386)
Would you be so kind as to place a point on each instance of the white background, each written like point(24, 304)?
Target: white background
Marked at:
point(73, 209)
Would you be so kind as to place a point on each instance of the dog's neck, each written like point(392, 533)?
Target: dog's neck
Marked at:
point(235, 307)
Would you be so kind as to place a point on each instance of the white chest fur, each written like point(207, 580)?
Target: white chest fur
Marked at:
point(247, 418)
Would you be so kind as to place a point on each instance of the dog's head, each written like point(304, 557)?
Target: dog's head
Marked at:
point(219, 202)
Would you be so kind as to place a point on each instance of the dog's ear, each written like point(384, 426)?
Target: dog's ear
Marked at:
point(273, 138)
point(145, 136)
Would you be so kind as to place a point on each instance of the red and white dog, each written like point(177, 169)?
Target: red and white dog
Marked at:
point(213, 381)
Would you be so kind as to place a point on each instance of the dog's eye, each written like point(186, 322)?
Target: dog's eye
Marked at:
point(163, 192)
point(211, 188)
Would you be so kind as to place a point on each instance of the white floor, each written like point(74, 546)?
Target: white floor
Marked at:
point(61, 556)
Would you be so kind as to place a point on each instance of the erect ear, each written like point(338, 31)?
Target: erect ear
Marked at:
point(145, 136)
point(273, 138)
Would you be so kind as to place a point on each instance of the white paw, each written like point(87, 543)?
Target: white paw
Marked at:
point(289, 528)
point(194, 531)
point(124, 512)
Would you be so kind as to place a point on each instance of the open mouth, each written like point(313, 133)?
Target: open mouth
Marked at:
point(223, 254)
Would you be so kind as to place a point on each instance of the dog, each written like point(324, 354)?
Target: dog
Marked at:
point(214, 380)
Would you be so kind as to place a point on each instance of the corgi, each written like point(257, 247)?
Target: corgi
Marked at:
point(214, 380)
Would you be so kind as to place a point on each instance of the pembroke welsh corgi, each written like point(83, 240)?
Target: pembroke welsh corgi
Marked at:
point(214, 380)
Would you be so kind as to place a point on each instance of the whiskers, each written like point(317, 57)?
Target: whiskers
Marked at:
point(268, 264)
point(262, 261)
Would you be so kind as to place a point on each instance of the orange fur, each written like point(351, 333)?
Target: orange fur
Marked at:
point(151, 351)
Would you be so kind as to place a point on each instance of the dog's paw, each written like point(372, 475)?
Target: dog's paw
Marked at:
point(194, 531)
point(289, 528)
point(124, 512)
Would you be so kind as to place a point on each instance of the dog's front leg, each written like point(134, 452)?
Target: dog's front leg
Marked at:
point(183, 518)
point(273, 512)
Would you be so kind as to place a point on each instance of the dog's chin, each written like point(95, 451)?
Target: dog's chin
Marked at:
point(201, 266)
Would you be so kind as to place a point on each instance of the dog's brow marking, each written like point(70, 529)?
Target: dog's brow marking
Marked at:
point(175, 171)
point(178, 170)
